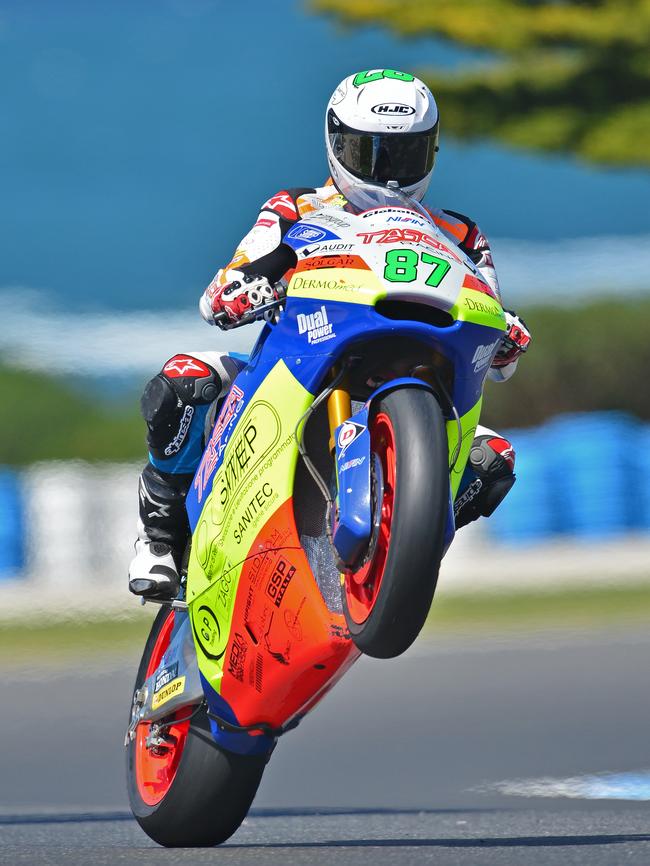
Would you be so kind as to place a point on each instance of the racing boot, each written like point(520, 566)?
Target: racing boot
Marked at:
point(487, 479)
point(163, 531)
point(179, 406)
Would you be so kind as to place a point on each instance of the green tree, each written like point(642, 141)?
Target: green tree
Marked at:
point(584, 358)
point(567, 77)
point(589, 357)
point(46, 420)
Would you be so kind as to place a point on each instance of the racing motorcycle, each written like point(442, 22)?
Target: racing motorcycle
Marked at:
point(321, 509)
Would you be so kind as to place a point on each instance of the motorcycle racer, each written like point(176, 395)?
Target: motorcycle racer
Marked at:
point(381, 126)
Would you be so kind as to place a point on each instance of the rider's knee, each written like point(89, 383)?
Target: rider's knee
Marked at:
point(175, 403)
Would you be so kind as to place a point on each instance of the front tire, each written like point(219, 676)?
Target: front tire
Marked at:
point(194, 793)
point(387, 600)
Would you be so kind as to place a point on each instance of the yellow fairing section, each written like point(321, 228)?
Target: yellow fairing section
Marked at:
point(468, 423)
point(352, 285)
point(479, 308)
point(253, 481)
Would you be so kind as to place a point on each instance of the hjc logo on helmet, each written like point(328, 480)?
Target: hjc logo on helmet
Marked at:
point(392, 108)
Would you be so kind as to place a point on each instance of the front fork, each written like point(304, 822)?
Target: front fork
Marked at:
point(350, 442)
point(339, 409)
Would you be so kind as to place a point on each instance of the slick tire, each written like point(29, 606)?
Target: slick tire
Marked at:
point(211, 790)
point(387, 600)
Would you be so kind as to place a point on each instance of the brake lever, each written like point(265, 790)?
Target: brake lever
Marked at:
point(223, 321)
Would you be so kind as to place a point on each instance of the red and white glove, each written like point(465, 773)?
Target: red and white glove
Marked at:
point(236, 300)
point(514, 343)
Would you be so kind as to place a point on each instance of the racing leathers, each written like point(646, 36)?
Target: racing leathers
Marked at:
point(179, 404)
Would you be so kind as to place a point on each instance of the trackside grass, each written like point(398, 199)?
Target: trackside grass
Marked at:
point(81, 640)
point(581, 608)
point(578, 609)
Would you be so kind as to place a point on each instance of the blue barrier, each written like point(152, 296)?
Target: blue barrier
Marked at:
point(12, 529)
point(529, 513)
point(640, 493)
point(582, 475)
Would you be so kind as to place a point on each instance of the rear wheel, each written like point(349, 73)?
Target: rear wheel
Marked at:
point(186, 791)
point(386, 601)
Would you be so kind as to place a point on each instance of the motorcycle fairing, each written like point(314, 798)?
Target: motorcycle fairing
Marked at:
point(457, 342)
point(267, 645)
point(244, 641)
point(256, 611)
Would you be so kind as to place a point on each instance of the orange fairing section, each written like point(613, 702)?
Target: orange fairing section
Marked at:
point(286, 649)
point(455, 227)
point(478, 285)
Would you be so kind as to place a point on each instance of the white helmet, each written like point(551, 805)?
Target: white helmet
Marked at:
point(382, 125)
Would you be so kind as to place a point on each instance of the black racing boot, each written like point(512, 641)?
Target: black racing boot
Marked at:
point(492, 461)
point(163, 530)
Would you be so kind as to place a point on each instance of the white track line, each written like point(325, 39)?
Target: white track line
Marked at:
point(599, 786)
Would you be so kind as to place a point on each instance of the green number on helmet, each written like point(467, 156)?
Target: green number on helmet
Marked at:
point(399, 76)
point(439, 271)
point(401, 266)
point(366, 77)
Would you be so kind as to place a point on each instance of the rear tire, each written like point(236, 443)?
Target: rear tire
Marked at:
point(206, 792)
point(387, 600)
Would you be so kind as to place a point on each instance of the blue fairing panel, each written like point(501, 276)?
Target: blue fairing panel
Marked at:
point(241, 743)
point(353, 526)
point(309, 353)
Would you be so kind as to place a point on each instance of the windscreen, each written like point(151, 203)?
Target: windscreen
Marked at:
point(364, 196)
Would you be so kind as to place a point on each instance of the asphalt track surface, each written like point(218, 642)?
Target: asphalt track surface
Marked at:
point(400, 764)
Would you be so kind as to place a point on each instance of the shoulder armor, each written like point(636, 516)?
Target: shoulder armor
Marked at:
point(284, 202)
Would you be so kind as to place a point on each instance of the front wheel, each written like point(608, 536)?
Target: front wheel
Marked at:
point(387, 600)
point(185, 791)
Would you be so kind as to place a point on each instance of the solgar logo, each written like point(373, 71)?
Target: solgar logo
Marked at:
point(392, 109)
point(316, 325)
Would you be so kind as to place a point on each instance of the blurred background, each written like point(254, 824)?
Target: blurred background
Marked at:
point(137, 141)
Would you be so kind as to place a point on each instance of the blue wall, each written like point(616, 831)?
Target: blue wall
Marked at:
point(578, 475)
point(12, 524)
point(583, 475)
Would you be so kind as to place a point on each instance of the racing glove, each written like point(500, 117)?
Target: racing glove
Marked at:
point(514, 343)
point(238, 300)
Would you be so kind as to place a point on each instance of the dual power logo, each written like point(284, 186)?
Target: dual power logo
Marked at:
point(316, 325)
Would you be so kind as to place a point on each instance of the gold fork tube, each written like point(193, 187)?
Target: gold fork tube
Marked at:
point(339, 409)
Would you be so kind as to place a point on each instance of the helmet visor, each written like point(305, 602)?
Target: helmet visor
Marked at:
point(405, 157)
